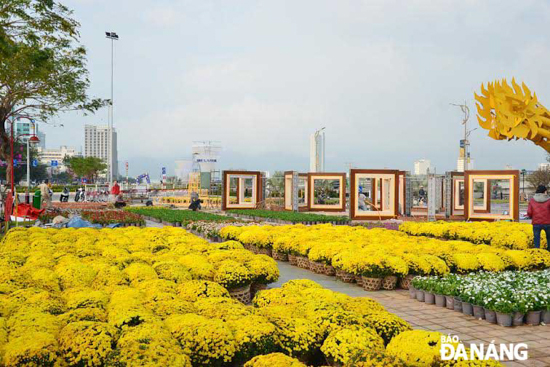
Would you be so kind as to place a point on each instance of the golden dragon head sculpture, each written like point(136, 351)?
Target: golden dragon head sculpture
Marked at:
point(513, 113)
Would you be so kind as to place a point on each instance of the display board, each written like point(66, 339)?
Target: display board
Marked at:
point(326, 192)
point(241, 189)
point(374, 194)
point(500, 190)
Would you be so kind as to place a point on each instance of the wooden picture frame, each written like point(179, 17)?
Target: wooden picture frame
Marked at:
point(512, 176)
point(341, 206)
point(377, 175)
point(257, 193)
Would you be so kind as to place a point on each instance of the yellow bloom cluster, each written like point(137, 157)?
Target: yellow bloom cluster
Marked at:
point(380, 252)
point(274, 360)
point(510, 235)
point(124, 297)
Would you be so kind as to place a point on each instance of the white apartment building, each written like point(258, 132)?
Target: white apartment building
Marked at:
point(422, 167)
point(99, 143)
point(47, 156)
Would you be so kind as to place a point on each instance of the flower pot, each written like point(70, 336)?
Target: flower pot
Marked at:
point(533, 317)
point(429, 298)
point(412, 292)
point(503, 319)
point(347, 277)
point(371, 284)
point(419, 295)
point(292, 260)
point(359, 280)
point(405, 283)
point(545, 317)
point(389, 282)
point(440, 300)
point(458, 304)
point(255, 288)
point(490, 315)
point(450, 302)
point(329, 270)
point(517, 318)
point(479, 312)
point(241, 294)
point(467, 308)
point(302, 262)
point(281, 256)
point(264, 251)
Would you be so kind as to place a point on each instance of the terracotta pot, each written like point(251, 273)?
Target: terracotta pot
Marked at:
point(265, 251)
point(429, 298)
point(504, 319)
point(371, 284)
point(440, 300)
point(517, 318)
point(533, 317)
point(359, 280)
point(545, 317)
point(419, 295)
point(450, 302)
point(302, 262)
point(479, 312)
point(458, 304)
point(389, 282)
point(467, 308)
point(490, 315)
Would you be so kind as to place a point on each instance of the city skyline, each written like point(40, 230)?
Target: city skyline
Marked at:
point(368, 66)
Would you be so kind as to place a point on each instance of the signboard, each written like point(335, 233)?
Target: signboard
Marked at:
point(54, 163)
point(15, 162)
point(34, 163)
point(206, 160)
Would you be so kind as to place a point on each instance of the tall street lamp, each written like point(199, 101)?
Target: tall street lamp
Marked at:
point(113, 37)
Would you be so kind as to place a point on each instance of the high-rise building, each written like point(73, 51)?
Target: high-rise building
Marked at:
point(204, 158)
point(422, 167)
point(317, 152)
point(24, 129)
point(100, 143)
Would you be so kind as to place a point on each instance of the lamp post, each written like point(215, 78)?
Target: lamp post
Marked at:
point(523, 173)
point(113, 37)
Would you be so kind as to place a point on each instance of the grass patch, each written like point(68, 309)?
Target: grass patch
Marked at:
point(290, 216)
point(179, 216)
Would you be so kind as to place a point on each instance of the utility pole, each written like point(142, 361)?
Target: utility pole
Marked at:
point(113, 37)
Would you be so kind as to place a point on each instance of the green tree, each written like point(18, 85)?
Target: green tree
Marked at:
point(42, 64)
point(539, 177)
point(85, 167)
point(38, 173)
point(276, 184)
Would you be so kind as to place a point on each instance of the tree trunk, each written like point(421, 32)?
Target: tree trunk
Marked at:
point(5, 146)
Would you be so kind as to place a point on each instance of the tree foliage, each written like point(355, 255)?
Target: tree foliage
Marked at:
point(38, 173)
point(42, 64)
point(539, 177)
point(85, 167)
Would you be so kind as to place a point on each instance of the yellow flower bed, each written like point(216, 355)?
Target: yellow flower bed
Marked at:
point(122, 297)
point(512, 235)
point(380, 252)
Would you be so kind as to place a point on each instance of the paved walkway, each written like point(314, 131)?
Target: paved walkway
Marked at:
point(431, 317)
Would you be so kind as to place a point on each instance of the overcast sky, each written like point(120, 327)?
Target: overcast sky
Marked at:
point(261, 76)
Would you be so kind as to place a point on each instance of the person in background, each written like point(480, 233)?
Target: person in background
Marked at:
point(362, 198)
point(45, 193)
point(115, 191)
point(539, 212)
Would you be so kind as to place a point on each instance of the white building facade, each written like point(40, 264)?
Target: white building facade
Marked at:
point(422, 167)
point(100, 142)
point(205, 156)
point(47, 156)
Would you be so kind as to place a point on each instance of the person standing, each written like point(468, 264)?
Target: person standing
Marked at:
point(115, 191)
point(362, 199)
point(45, 193)
point(539, 212)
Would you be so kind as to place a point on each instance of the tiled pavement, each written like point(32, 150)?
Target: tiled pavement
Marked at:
point(431, 317)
